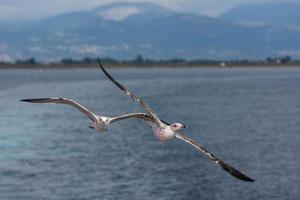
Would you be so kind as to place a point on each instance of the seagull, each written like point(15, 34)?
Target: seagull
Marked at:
point(99, 123)
point(166, 132)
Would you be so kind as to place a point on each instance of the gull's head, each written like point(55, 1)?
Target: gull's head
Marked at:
point(101, 124)
point(177, 126)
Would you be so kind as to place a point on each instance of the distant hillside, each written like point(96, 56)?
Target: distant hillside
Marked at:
point(123, 30)
point(280, 13)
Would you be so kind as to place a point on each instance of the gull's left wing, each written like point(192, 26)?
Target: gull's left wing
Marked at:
point(134, 97)
point(231, 170)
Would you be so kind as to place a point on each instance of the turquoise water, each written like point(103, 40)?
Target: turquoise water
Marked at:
point(248, 117)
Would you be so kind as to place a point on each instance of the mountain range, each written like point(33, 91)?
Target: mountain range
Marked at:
point(123, 30)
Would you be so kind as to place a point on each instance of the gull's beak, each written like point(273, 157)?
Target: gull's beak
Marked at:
point(184, 126)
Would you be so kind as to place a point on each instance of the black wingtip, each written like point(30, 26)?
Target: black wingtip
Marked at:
point(39, 100)
point(26, 100)
point(100, 65)
point(250, 180)
point(231, 170)
point(102, 68)
point(110, 77)
point(99, 62)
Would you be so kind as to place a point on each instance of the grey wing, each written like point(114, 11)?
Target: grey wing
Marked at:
point(141, 116)
point(91, 115)
point(134, 97)
point(231, 170)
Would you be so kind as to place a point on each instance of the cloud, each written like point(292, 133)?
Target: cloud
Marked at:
point(119, 13)
point(21, 10)
point(5, 58)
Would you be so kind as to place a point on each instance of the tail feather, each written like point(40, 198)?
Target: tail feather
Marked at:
point(91, 127)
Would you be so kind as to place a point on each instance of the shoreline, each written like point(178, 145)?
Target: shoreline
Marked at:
point(148, 66)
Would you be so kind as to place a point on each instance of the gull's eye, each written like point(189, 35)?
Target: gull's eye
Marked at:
point(175, 125)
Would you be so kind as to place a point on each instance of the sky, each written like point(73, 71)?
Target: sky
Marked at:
point(27, 10)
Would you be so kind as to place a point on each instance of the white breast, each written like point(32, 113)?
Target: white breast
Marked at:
point(163, 133)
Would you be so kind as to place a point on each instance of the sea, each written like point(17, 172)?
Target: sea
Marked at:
point(249, 117)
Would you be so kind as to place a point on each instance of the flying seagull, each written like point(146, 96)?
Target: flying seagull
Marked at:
point(166, 132)
point(99, 123)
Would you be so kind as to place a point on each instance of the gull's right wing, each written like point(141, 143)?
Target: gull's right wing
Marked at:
point(134, 97)
point(91, 115)
point(231, 170)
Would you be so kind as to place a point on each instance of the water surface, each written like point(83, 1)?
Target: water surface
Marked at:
point(248, 117)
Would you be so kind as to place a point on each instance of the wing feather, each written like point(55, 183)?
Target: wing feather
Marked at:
point(133, 96)
point(231, 170)
point(142, 116)
point(91, 115)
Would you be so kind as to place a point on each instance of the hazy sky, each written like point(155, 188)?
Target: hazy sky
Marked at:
point(23, 10)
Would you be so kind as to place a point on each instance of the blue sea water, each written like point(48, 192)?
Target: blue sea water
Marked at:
point(248, 117)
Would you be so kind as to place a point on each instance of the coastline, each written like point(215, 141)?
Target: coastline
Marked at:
point(146, 66)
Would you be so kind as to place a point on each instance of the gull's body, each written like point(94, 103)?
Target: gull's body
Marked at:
point(99, 123)
point(165, 132)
